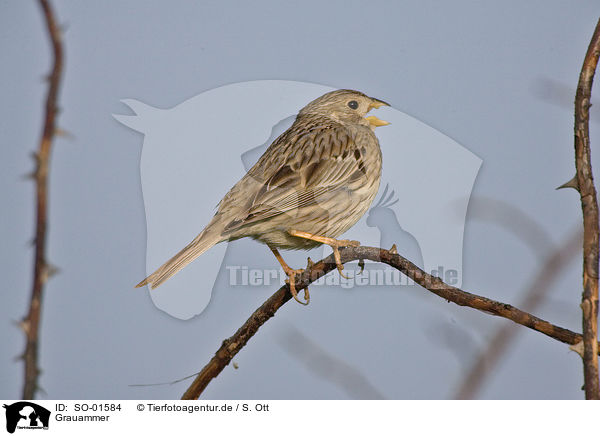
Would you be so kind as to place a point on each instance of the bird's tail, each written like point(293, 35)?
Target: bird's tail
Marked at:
point(199, 245)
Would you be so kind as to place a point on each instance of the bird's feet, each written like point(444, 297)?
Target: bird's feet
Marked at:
point(291, 273)
point(291, 281)
point(335, 244)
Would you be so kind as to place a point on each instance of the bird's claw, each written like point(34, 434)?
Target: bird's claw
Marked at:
point(361, 265)
point(393, 250)
point(343, 275)
point(291, 281)
point(309, 263)
point(338, 259)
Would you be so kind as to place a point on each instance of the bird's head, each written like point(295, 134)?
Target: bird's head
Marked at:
point(346, 105)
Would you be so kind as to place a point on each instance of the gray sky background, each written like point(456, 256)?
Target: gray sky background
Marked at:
point(499, 79)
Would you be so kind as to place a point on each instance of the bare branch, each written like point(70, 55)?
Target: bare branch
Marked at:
point(31, 322)
point(589, 205)
point(235, 343)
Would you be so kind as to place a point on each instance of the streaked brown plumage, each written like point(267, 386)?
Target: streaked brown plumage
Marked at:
point(313, 183)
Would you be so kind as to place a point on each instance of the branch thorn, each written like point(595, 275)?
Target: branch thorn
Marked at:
point(570, 184)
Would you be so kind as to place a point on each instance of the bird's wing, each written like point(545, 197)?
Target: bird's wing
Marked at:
point(304, 167)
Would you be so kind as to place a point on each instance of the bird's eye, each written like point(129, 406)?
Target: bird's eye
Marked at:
point(353, 104)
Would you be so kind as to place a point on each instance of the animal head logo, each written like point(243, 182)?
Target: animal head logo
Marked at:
point(194, 152)
point(26, 415)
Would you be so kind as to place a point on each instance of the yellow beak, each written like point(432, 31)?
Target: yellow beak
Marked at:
point(376, 122)
point(376, 104)
point(373, 120)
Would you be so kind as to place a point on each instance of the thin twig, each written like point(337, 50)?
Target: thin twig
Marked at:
point(589, 205)
point(534, 296)
point(31, 322)
point(235, 343)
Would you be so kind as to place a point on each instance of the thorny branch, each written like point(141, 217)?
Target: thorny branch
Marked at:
point(235, 343)
point(31, 322)
point(584, 183)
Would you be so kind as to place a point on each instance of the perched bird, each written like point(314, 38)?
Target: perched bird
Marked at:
point(314, 182)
